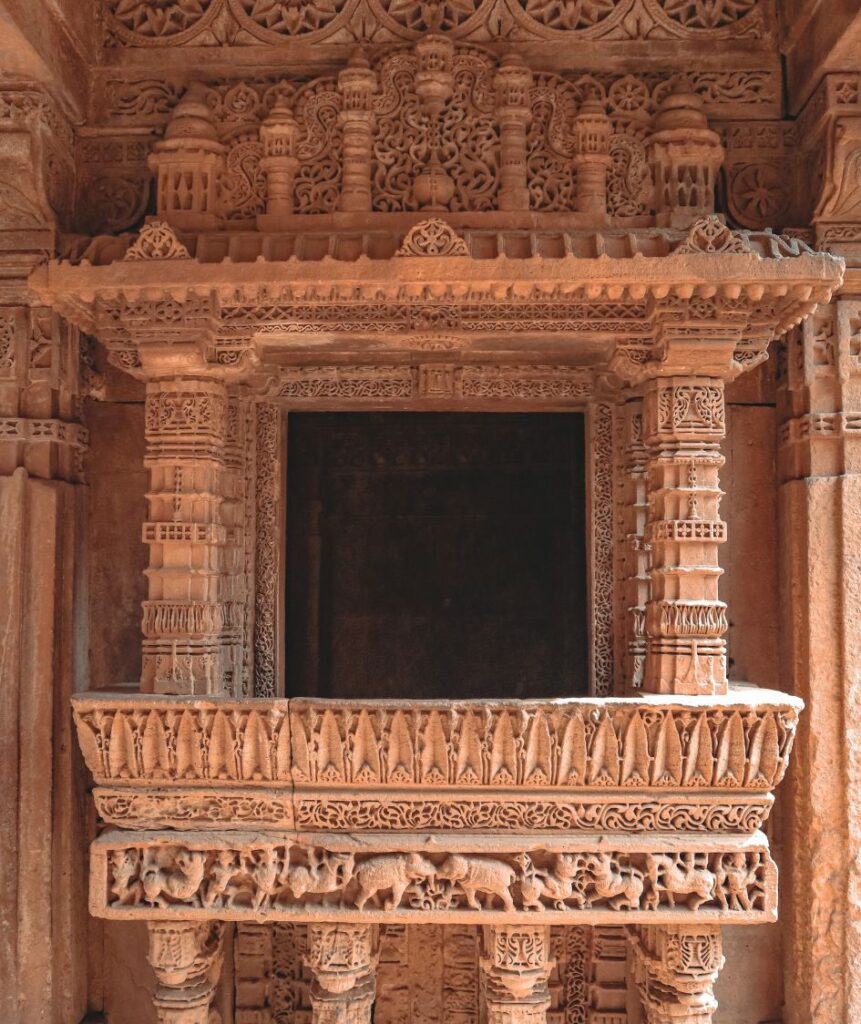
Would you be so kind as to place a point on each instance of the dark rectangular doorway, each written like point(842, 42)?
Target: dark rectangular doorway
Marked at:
point(436, 555)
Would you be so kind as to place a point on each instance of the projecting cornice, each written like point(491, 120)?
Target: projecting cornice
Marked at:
point(708, 302)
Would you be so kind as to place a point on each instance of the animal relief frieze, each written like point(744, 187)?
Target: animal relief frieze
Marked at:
point(233, 880)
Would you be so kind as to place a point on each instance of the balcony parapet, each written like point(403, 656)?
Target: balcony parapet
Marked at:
point(635, 765)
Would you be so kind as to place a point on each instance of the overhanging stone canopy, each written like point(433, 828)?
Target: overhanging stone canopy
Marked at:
point(618, 303)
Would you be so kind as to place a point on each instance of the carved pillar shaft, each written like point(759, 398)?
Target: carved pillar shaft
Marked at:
point(674, 970)
point(592, 128)
point(186, 958)
point(513, 83)
point(636, 558)
point(343, 959)
point(357, 84)
point(683, 425)
point(184, 615)
point(516, 969)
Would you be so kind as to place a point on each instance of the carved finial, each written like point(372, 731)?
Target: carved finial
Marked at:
point(433, 238)
point(188, 161)
point(157, 241)
point(686, 157)
point(711, 235)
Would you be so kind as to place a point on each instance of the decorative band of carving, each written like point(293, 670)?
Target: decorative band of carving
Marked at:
point(239, 807)
point(245, 877)
point(689, 743)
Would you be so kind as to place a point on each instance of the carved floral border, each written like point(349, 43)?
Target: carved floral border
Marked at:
point(270, 458)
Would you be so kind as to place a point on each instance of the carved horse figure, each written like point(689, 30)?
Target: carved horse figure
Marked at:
point(679, 875)
point(620, 886)
point(561, 883)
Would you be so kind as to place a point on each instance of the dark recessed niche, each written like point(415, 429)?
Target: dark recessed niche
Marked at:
point(436, 555)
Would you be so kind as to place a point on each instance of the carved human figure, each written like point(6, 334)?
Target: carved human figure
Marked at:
point(221, 874)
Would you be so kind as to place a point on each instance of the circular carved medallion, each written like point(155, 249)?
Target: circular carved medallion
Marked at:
point(430, 15)
point(274, 20)
point(571, 15)
point(160, 22)
point(706, 14)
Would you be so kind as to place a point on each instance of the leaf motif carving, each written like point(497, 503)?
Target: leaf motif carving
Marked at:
point(572, 761)
point(154, 752)
point(122, 760)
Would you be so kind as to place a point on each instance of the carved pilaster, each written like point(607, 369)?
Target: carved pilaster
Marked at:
point(357, 84)
point(635, 584)
point(343, 960)
point(185, 620)
point(674, 970)
point(819, 400)
point(683, 425)
point(516, 969)
point(513, 83)
point(186, 958)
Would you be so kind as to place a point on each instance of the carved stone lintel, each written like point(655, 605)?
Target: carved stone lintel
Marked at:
point(186, 958)
point(674, 970)
point(516, 968)
point(343, 960)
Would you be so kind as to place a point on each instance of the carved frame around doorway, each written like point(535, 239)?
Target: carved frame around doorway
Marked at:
point(547, 389)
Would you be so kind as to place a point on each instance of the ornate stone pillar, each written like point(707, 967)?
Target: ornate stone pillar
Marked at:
point(186, 957)
point(674, 970)
point(184, 616)
point(343, 959)
point(516, 969)
point(513, 84)
point(278, 135)
point(683, 425)
point(357, 84)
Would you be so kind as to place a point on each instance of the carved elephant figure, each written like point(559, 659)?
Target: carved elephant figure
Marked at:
point(480, 874)
point(393, 871)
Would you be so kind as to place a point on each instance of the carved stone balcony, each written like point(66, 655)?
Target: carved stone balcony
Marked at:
point(636, 810)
